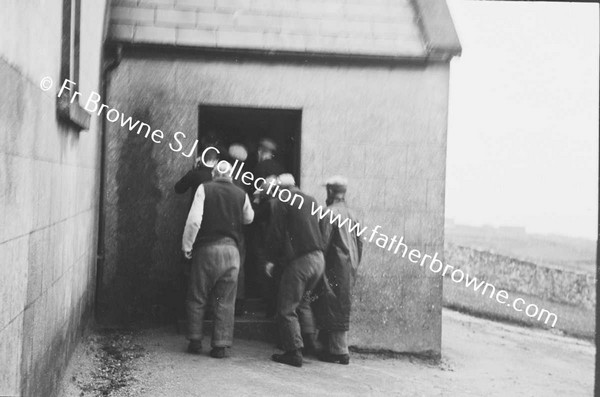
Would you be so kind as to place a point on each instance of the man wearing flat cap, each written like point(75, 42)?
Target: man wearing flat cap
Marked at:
point(343, 251)
point(267, 165)
point(211, 239)
point(297, 228)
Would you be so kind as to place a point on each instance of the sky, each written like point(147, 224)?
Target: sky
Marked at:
point(523, 117)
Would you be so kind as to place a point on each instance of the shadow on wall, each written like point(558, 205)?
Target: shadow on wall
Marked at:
point(138, 197)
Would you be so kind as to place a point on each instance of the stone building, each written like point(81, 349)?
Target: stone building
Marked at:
point(49, 183)
point(352, 87)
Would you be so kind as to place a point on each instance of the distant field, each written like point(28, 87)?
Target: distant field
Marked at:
point(548, 250)
point(572, 320)
point(565, 252)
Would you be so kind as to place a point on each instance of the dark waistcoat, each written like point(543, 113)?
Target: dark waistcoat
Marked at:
point(223, 213)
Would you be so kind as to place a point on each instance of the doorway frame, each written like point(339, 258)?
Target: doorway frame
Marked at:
point(297, 135)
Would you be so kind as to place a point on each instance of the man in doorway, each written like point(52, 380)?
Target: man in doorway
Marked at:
point(212, 236)
point(300, 229)
point(343, 252)
point(238, 152)
point(199, 174)
point(272, 250)
point(267, 165)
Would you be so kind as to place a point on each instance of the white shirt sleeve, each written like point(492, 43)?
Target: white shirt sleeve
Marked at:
point(194, 220)
point(248, 212)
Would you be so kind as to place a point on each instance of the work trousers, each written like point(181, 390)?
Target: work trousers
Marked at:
point(241, 283)
point(294, 315)
point(213, 276)
point(338, 342)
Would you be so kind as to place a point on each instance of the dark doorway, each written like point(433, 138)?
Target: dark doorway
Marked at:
point(224, 125)
point(246, 125)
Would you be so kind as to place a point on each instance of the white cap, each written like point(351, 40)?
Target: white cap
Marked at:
point(286, 180)
point(238, 152)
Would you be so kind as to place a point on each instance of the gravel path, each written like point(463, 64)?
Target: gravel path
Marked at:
point(480, 357)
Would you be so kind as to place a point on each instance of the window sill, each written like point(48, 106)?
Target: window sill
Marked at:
point(72, 114)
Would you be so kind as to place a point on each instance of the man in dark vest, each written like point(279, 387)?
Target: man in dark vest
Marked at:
point(212, 236)
point(343, 251)
point(297, 227)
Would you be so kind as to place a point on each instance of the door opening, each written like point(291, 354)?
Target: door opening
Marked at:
point(225, 125)
point(246, 125)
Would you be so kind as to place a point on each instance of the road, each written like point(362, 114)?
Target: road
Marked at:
point(480, 357)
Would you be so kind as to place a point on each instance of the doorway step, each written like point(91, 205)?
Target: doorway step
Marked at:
point(252, 324)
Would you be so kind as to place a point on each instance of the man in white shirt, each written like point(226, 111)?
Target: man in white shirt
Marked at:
point(212, 237)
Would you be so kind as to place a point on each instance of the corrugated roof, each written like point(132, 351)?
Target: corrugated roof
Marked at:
point(390, 28)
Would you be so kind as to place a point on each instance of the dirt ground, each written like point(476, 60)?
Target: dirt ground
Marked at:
point(480, 357)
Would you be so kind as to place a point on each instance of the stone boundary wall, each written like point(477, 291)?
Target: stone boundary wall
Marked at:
point(554, 284)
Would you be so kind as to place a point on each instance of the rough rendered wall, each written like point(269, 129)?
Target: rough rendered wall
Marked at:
point(384, 127)
point(49, 178)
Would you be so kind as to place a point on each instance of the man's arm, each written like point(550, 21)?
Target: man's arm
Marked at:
point(326, 231)
point(194, 220)
point(184, 183)
point(275, 239)
point(248, 212)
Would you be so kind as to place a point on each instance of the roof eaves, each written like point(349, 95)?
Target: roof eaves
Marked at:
point(437, 27)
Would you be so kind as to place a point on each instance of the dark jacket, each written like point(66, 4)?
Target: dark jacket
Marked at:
point(270, 220)
point(294, 227)
point(343, 251)
point(193, 179)
point(266, 168)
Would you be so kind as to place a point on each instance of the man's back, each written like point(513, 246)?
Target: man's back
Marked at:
point(223, 212)
point(303, 227)
point(341, 243)
point(219, 210)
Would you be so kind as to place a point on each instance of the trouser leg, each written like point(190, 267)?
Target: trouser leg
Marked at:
point(197, 296)
point(241, 279)
point(338, 342)
point(224, 293)
point(299, 277)
point(290, 294)
point(305, 313)
point(305, 316)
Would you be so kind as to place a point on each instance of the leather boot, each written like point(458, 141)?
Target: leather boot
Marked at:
point(292, 357)
point(335, 358)
point(217, 352)
point(312, 347)
point(195, 346)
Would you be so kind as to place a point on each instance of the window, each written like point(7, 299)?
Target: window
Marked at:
point(68, 108)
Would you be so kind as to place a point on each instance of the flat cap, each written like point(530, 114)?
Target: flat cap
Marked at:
point(337, 183)
point(268, 144)
point(238, 152)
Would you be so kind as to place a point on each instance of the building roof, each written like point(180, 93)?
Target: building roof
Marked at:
point(369, 28)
